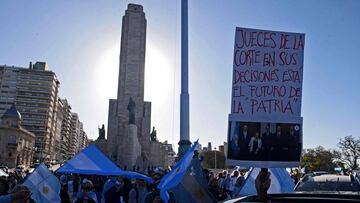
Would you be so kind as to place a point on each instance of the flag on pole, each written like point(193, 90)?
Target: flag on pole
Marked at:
point(44, 185)
point(186, 181)
point(174, 177)
point(281, 181)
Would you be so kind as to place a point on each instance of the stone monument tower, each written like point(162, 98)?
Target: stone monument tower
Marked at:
point(129, 115)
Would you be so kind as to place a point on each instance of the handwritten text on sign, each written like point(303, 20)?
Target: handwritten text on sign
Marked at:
point(267, 75)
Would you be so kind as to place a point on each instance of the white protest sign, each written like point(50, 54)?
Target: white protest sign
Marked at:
point(265, 123)
point(267, 75)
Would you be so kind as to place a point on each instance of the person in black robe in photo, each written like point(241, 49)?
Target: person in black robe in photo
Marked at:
point(243, 144)
point(267, 139)
point(278, 145)
point(294, 144)
point(282, 145)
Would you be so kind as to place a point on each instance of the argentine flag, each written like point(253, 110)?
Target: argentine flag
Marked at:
point(281, 182)
point(175, 176)
point(44, 186)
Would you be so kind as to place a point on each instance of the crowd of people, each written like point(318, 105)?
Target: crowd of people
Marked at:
point(76, 188)
point(224, 185)
point(11, 189)
point(88, 188)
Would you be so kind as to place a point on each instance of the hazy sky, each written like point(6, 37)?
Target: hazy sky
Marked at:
point(80, 41)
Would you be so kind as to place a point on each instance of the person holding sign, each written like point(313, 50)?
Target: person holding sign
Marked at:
point(255, 146)
point(243, 142)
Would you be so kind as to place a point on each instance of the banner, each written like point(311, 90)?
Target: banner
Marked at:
point(265, 124)
point(281, 182)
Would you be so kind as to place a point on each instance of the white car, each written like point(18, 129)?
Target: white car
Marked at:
point(329, 183)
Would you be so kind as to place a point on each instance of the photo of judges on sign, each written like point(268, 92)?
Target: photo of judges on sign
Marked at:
point(274, 142)
point(265, 123)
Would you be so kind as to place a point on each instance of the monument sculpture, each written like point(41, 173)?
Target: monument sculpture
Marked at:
point(129, 115)
point(129, 121)
point(153, 135)
point(131, 108)
point(102, 133)
point(134, 154)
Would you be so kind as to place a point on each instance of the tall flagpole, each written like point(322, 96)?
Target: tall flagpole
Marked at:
point(184, 143)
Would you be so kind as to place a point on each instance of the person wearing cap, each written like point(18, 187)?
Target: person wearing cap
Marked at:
point(138, 193)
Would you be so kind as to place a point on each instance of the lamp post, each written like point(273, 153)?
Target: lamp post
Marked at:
point(215, 156)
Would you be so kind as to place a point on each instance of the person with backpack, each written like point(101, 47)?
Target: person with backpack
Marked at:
point(87, 195)
point(138, 193)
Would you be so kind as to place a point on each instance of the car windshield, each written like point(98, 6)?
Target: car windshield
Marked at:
point(310, 186)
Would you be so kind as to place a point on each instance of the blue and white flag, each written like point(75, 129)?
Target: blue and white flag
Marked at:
point(281, 182)
point(136, 175)
point(2, 173)
point(44, 185)
point(174, 177)
point(111, 182)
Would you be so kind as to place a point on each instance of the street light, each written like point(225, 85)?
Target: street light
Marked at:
point(215, 156)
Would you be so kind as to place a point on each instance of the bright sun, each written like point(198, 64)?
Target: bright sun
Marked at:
point(158, 76)
point(106, 74)
point(158, 83)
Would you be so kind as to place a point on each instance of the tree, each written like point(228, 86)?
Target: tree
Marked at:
point(319, 159)
point(349, 151)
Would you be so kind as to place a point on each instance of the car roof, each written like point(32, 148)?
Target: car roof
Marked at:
point(320, 172)
point(331, 178)
point(301, 197)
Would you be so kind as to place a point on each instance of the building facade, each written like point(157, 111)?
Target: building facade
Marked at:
point(66, 130)
point(34, 91)
point(78, 138)
point(8, 81)
point(16, 143)
point(58, 155)
point(170, 155)
point(74, 134)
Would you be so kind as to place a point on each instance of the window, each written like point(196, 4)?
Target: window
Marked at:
point(12, 139)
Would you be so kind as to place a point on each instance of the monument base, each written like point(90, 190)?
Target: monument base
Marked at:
point(132, 151)
point(184, 146)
